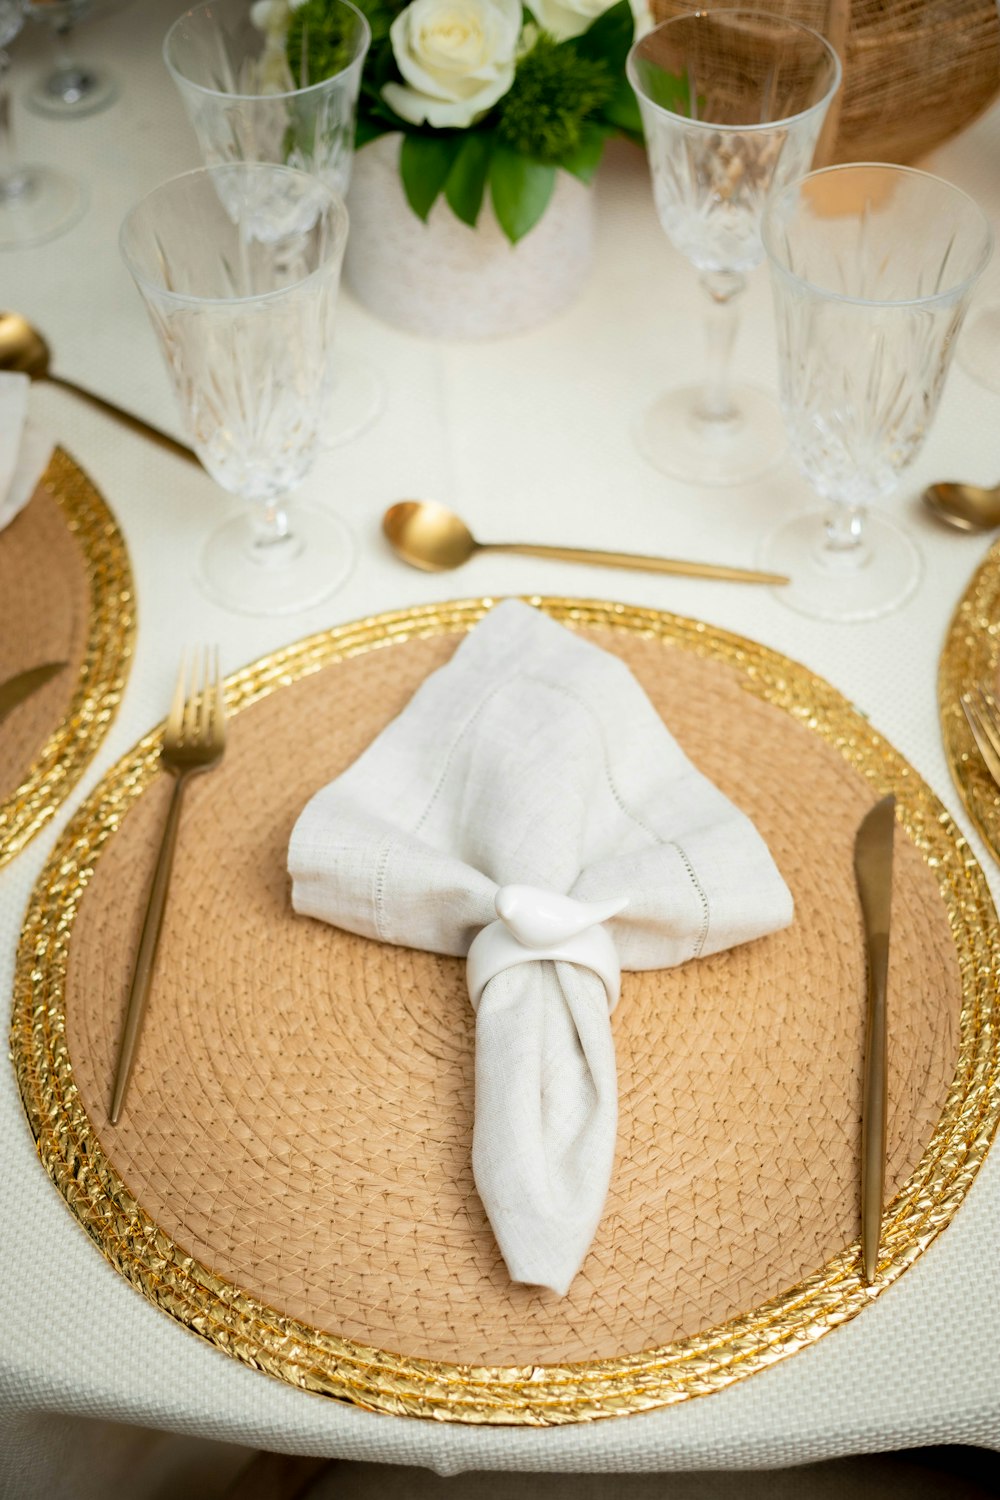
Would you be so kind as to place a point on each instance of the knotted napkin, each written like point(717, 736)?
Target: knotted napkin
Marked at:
point(24, 454)
point(530, 769)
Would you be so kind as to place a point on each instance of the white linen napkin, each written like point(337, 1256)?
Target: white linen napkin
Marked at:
point(24, 453)
point(534, 758)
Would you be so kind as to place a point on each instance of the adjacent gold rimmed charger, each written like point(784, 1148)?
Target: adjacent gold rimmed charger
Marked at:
point(292, 1180)
point(65, 595)
point(971, 655)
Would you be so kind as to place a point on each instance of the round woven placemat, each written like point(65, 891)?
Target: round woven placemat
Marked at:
point(292, 1180)
point(971, 655)
point(65, 595)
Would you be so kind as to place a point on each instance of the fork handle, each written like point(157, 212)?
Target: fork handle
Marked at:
point(148, 944)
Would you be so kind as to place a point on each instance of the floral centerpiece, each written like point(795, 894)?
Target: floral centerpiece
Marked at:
point(488, 95)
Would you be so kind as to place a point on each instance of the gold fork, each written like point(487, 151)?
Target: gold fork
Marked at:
point(194, 738)
point(981, 711)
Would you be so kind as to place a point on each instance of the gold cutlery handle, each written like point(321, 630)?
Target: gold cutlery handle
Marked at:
point(126, 418)
point(149, 942)
point(874, 1111)
point(638, 563)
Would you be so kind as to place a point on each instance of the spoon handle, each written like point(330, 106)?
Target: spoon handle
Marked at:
point(127, 418)
point(639, 564)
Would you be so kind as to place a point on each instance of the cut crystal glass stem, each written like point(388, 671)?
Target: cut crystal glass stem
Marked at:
point(721, 323)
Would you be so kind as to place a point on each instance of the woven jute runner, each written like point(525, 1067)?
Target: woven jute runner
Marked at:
point(44, 617)
point(300, 1115)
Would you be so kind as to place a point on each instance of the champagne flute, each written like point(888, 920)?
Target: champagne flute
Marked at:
point(239, 267)
point(248, 101)
point(872, 268)
point(732, 104)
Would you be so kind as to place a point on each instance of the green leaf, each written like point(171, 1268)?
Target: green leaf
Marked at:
point(520, 190)
point(466, 182)
point(369, 129)
point(424, 164)
point(584, 161)
point(622, 110)
point(608, 38)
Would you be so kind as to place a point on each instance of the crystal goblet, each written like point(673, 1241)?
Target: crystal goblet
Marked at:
point(872, 269)
point(732, 104)
point(239, 268)
point(248, 101)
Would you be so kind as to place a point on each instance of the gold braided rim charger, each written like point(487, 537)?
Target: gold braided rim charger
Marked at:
point(323, 1361)
point(970, 656)
point(107, 651)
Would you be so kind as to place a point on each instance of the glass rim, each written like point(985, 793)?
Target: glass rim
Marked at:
point(767, 232)
point(182, 80)
point(191, 299)
point(767, 17)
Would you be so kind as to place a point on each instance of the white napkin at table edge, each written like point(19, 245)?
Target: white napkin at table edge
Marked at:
point(24, 451)
point(534, 756)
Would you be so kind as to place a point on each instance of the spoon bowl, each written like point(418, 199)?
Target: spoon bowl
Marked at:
point(967, 507)
point(22, 347)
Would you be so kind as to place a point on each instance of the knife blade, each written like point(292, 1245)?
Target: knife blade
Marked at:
point(873, 874)
point(21, 686)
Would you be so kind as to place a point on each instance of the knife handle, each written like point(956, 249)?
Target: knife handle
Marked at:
point(874, 1110)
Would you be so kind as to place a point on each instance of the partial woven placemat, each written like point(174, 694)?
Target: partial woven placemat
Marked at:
point(300, 1116)
point(65, 595)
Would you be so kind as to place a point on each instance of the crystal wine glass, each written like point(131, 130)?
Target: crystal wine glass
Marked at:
point(872, 268)
point(732, 104)
point(71, 89)
point(248, 101)
point(36, 203)
point(239, 267)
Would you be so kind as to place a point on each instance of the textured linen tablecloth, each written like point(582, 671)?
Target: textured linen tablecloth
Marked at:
point(527, 437)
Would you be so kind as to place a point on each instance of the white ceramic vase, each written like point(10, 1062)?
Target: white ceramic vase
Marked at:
point(444, 280)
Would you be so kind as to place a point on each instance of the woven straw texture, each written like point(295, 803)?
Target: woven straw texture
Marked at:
point(915, 71)
point(65, 595)
point(300, 1115)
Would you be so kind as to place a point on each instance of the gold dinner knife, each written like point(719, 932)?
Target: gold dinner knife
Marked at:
point(873, 872)
point(16, 689)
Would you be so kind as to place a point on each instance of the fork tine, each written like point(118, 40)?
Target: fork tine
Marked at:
point(206, 701)
point(218, 704)
point(175, 718)
point(191, 700)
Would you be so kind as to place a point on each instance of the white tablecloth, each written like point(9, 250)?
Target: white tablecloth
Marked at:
point(528, 437)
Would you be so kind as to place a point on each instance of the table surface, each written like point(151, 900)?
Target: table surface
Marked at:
point(529, 437)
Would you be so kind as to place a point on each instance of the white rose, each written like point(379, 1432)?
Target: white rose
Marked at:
point(457, 57)
point(566, 18)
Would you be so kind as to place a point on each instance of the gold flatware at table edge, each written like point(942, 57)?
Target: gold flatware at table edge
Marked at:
point(23, 348)
point(16, 689)
point(983, 718)
point(432, 537)
point(194, 738)
point(968, 507)
point(873, 873)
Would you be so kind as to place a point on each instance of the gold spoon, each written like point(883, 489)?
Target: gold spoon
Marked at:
point(430, 536)
point(969, 507)
point(23, 348)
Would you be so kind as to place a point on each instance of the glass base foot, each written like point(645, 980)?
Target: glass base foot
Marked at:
point(979, 348)
point(36, 204)
point(356, 399)
point(674, 439)
point(74, 91)
point(845, 586)
point(278, 578)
